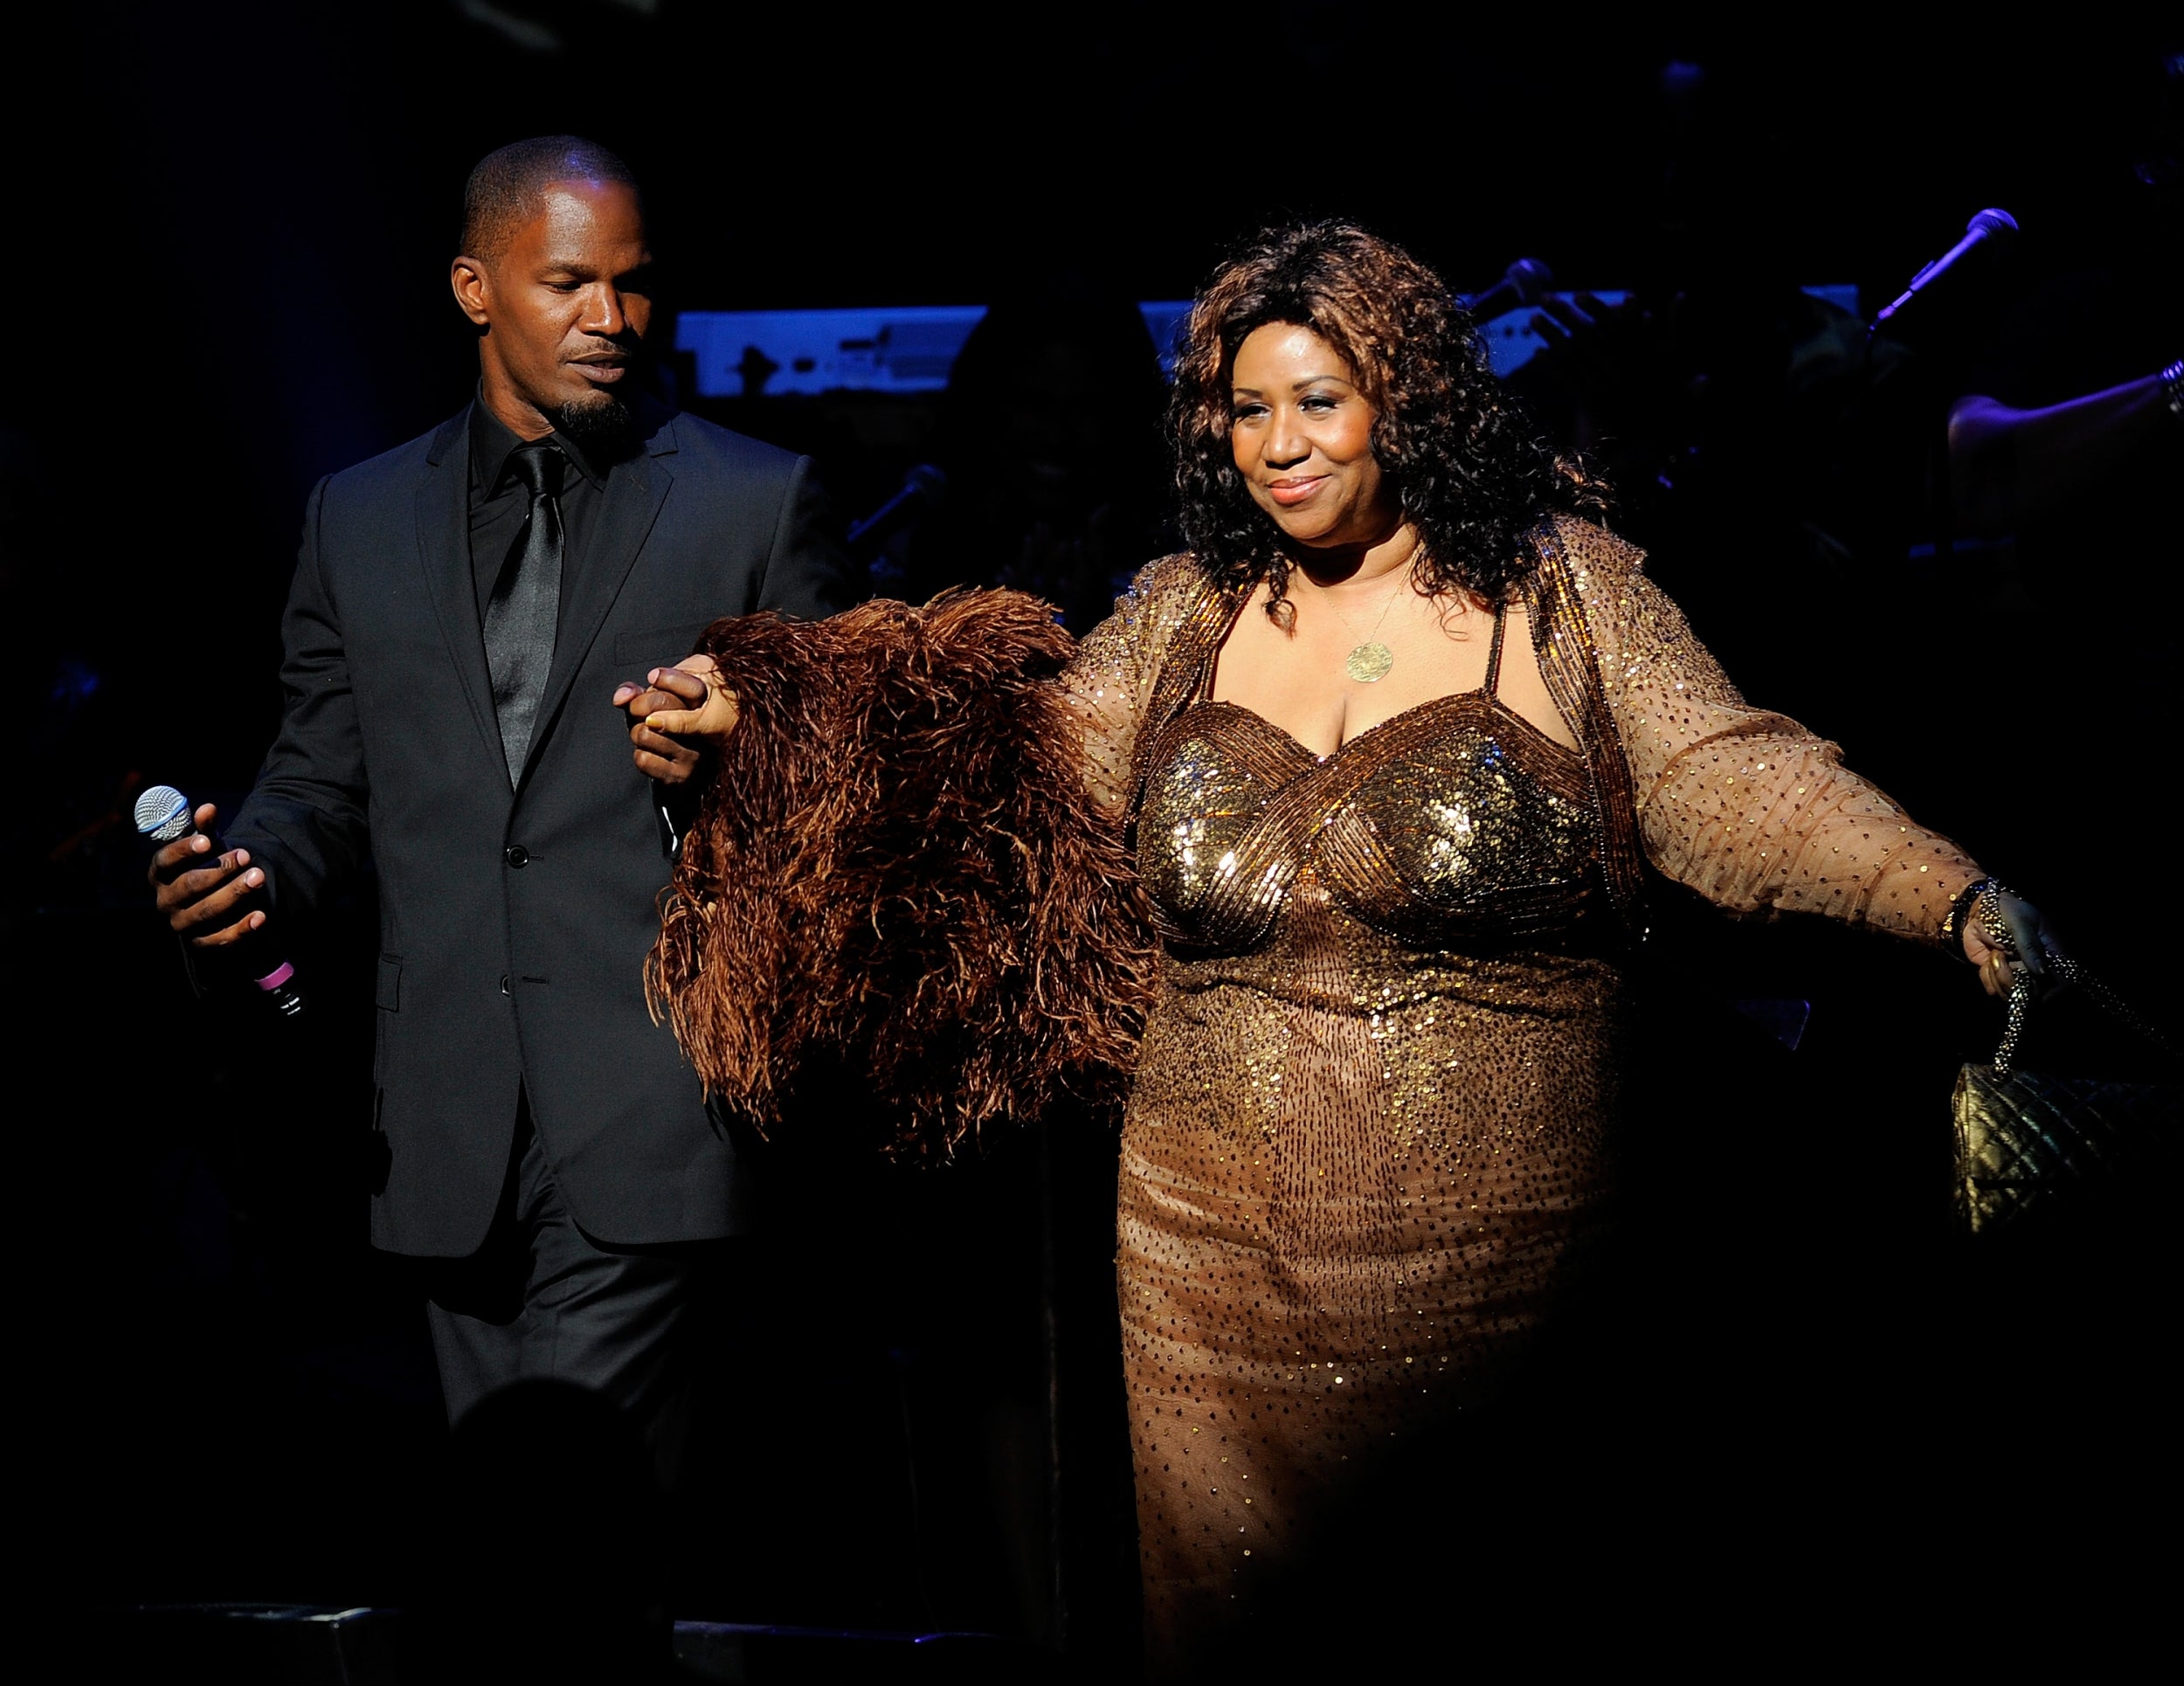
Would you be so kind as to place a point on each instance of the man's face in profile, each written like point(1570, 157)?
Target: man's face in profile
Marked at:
point(565, 306)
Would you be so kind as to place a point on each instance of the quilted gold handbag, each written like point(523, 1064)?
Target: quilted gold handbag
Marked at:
point(2032, 1148)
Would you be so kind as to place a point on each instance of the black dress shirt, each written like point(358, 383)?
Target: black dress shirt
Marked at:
point(499, 504)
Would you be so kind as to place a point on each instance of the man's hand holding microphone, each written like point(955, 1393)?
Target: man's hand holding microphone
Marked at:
point(211, 896)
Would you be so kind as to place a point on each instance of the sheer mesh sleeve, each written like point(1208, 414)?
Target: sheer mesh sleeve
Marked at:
point(1740, 804)
point(1109, 682)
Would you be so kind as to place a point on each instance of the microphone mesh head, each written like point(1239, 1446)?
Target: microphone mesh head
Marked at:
point(1995, 223)
point(163, 814)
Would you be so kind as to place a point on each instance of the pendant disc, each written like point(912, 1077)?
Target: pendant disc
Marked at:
point(1368, 662)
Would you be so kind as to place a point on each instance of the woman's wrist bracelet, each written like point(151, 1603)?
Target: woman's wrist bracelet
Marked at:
point(1961, 910)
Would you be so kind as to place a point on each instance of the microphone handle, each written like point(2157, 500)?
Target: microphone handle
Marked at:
point(1972, 236)
point(879, 519)
point(1933, 271)
point(1497, 300)
point(249, 958)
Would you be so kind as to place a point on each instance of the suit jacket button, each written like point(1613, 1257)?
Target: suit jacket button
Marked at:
point(504, 983)
point(516, 855)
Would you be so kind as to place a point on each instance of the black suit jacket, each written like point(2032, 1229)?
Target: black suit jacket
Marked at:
point(514, 922)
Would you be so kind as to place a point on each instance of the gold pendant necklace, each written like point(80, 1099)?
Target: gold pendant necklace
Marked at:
point(1369, 660)
point(1368, 663)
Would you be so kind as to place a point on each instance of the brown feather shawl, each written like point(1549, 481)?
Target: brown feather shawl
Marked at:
point(897, 866)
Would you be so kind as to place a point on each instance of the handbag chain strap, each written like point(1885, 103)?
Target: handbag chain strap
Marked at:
point(2024, 987)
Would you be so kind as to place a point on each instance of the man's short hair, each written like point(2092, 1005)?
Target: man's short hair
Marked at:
point(503, 192)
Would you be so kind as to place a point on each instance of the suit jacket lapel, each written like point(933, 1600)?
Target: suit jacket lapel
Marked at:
point(635, 489)
point(442, 541)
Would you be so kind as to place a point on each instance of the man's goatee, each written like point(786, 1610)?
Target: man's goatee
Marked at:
point(602, 420)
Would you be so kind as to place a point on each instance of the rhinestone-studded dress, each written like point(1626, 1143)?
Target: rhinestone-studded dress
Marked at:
point(1370, 1131)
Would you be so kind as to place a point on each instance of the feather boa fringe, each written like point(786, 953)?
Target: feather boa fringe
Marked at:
point(897, 866)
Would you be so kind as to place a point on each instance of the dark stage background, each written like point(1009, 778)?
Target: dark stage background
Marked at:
point(232, 225)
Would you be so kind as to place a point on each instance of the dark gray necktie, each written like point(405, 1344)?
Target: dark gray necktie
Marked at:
point(526, 598)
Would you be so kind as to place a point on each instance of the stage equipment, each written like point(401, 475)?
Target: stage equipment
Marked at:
point(1992, 228)
point(163, 815)
point(899, 349)
point(923, 486)
point(1524, 283)
point(303, 1645)
point(907, 350)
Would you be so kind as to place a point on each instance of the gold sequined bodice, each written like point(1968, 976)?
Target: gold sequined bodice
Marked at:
point(1454, 822)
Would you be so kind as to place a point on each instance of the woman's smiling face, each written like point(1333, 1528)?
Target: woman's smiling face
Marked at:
point(1301, 433)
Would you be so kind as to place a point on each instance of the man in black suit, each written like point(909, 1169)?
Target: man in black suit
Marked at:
point(463, 608)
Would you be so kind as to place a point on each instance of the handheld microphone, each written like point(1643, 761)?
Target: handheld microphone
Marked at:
point(1525, 283)
point(924, 484)
point(163, 814)
point(1992, 227)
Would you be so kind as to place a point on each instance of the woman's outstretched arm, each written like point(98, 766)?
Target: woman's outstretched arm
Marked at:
point(1750, 809)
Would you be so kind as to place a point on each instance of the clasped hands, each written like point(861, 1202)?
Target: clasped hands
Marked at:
point(677, 716)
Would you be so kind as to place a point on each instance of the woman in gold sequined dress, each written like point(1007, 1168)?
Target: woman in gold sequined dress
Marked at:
point(1393, 741)
point(1399, 732)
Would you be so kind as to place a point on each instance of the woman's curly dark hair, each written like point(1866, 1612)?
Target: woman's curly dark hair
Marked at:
point(1473, 474)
